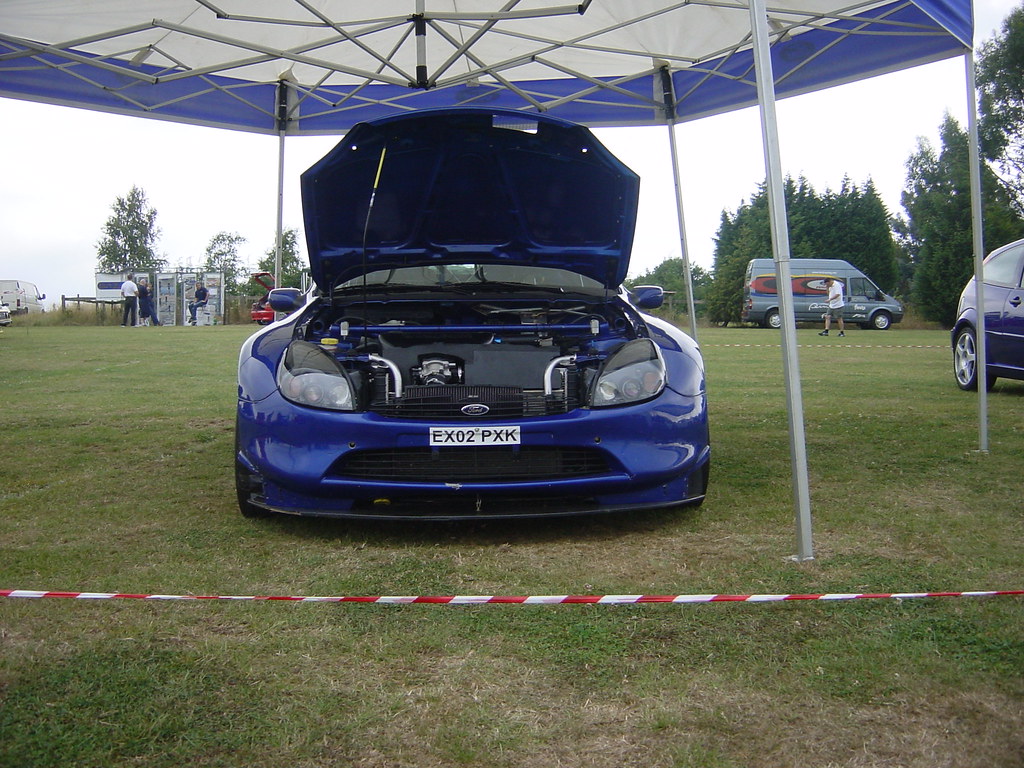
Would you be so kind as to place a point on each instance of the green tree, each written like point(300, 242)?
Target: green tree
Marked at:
point(937, 234)
point(810, 229)
point(129, 236)
point(671, 276)
point(291, 262)
point(1000, 76)
point(742, 236)
point(222, 256)
point(868, 240)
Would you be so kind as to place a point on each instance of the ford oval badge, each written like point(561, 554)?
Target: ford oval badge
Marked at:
point(475, 409)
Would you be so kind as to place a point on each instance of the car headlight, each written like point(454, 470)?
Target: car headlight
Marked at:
point(310, 376)
point(633, 373)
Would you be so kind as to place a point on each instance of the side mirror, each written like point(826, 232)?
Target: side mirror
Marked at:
point(648, 296)
point(286, 299)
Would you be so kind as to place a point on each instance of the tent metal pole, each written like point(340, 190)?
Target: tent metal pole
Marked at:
point(420, 28)
point(278, 240)
point(977, 222)
point(282, 130)
point(780, 249)
point(691, 307)
point(667, 92)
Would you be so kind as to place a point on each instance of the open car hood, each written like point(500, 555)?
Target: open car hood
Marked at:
point(469, 185)
point(264, 279)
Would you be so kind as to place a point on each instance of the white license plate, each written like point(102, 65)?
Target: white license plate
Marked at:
point(442, 436)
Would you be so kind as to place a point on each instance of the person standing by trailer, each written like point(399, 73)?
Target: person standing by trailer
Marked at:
point(130, 292)
point(835, 305)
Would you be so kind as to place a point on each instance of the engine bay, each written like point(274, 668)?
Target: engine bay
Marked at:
point(447, 356)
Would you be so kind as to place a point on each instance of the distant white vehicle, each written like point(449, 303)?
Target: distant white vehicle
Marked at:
point(21, 297)
point(5, 315)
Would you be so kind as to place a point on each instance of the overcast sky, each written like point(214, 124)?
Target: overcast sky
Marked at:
point(63, 168)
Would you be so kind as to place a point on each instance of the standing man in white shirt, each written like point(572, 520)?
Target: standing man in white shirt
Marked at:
point(835, 305)
point(130, 292)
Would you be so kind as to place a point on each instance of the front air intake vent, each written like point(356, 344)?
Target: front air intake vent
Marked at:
point(463, 403)
point(471, 464)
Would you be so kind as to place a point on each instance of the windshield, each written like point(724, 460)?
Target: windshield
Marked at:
point(473, 275)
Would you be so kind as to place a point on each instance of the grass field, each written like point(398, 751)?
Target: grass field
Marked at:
point(117, 477)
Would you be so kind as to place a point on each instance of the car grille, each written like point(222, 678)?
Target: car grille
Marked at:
point(451, 507)
point(447, 402)
point(470, 464)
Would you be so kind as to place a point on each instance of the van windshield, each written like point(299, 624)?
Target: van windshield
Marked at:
point(862, 286)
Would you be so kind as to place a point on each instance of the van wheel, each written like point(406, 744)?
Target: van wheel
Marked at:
point(965, 362)
point(772, 319)
point(881, 321)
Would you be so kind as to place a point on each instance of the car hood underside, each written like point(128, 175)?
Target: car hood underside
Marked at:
point(480, 185)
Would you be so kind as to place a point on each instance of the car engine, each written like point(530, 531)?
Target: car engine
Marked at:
point(465, 359)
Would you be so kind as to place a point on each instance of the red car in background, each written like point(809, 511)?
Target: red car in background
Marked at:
point(261, 311)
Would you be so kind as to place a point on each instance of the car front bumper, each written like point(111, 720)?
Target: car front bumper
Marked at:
point(303, 461)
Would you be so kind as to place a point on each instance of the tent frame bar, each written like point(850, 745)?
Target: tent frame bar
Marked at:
point(783, 277)
point(977, 222)
point(668, 96)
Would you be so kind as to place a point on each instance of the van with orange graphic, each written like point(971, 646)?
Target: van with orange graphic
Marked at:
point(866, 304)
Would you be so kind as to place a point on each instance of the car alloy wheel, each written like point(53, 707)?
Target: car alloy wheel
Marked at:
point(965, 360)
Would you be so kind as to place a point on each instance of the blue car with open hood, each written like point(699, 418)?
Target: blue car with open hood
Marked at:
point(467, 350)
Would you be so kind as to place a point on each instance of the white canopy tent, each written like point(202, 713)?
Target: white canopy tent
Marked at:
point(599, 62)
point(293, 67)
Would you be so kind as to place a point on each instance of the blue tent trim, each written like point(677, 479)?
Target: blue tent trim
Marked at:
point(820, 53)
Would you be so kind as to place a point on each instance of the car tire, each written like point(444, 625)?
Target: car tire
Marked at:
point(704, 476)
point(249, 511)
point(243, 486)
point(881, 321)
point(965, 362)
point(772, 319)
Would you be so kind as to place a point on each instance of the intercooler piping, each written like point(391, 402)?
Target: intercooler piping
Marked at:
point(564, 360)
point(394, 372)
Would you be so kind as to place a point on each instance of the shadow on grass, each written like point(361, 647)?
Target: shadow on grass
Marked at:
point(485, 533)
point(1007, 388)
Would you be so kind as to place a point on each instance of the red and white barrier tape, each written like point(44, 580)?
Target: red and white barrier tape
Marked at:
point(514, 599)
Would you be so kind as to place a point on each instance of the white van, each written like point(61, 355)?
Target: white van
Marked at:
point(22, 297)
point(866, 304)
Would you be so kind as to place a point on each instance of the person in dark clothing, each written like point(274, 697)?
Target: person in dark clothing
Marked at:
point(147, 303)
point(202, 296)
